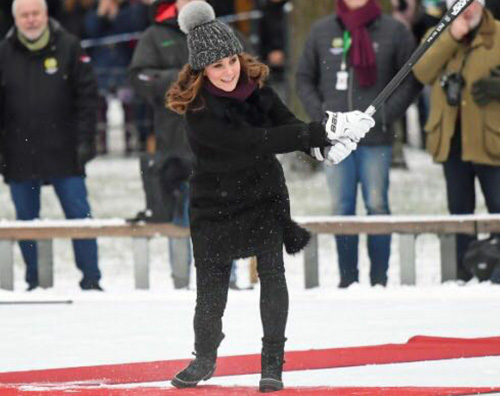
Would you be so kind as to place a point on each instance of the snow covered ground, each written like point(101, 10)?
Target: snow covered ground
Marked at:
point(124, 325)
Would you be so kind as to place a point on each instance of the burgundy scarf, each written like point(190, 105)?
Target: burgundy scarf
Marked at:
point(241, 92)
point(362, 54)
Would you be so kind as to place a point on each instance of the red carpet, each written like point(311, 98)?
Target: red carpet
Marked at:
point(247, 391)
point(418, 348)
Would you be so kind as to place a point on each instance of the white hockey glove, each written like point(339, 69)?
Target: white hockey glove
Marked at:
point(339, 151)
point(354, 125)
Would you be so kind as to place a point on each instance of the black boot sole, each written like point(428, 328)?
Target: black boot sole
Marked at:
point(270, 385)
point(178, 383)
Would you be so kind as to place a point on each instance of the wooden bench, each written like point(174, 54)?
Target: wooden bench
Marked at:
point(45, 231)
point(408, 228)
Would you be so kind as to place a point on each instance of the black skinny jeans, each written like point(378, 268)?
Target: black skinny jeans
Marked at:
point(212, 282)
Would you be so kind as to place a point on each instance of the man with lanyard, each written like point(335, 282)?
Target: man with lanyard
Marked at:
point(349, 57)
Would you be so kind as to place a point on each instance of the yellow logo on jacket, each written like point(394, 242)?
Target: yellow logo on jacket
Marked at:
point(337, 47)
point(50, 65)
point(338, 42)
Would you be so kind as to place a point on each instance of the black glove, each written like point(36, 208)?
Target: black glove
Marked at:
point(495, 72)
point(85, 151)
point(487, 89)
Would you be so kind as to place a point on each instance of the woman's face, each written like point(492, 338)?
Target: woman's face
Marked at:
point(224, 73)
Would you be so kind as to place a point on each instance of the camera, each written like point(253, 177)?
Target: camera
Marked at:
point(452, 85)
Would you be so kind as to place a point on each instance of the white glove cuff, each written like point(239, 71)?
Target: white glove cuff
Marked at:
point(317, 154)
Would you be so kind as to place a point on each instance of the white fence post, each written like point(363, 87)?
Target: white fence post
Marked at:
point(6, 265)
point(141, 262)
point(311, 265)
point(45, 263)
point(408, 274)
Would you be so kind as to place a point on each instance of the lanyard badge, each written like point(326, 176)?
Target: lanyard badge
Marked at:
point(343, 75)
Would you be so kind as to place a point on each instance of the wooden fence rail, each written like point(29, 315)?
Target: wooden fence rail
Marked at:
point(45, 231)
point(407, 227)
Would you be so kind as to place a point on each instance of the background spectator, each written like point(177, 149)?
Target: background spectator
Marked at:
point(72, 15)
point(160, 54)
point(272, 41)
point(340, 70)
point(463, 69)
point(110, 18)
point(48, 126)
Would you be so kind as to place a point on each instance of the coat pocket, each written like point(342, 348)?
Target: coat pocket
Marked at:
point(433, 128)
point(492, 133)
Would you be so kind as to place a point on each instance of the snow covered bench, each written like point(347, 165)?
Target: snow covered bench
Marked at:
point(408, 228)
point(44, 231)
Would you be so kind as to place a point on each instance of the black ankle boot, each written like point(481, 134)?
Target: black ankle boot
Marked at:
point(199, 369)
point(272, 366)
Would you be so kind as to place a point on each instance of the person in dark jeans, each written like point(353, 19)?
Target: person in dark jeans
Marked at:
point(462, 68)
point(461, 192)
point(48, 97)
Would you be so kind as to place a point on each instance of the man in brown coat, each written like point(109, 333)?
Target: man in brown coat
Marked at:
point(463, 130)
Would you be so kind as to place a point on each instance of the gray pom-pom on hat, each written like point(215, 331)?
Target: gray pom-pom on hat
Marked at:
point(195, 14)
point(208, 39)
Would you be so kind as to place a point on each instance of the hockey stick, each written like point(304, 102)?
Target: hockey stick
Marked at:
point(445, 21)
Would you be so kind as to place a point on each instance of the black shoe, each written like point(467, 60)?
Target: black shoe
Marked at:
point(268, 384)
point(271, 366)
point(199, 369)
point(344, 284)
point(32, 286)
point(382, 282)
point(88, 284)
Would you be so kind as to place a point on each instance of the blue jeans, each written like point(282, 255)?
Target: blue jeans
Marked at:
point(368, 166)
point(72, 195)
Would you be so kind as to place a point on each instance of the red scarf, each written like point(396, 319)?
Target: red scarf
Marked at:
point(241, 92)
point(362, 54)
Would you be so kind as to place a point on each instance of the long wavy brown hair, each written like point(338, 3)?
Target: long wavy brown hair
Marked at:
point(182, 94)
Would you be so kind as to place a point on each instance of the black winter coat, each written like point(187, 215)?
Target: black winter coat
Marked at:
point(48, 106)
point(239, 200)
point(159, 56)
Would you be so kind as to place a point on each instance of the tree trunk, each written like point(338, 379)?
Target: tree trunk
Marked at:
point(302, 17)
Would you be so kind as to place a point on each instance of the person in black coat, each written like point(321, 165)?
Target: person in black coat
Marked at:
point(48, 97)
point(239, 203)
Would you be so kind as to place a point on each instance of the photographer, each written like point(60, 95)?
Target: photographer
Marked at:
point(463, 130)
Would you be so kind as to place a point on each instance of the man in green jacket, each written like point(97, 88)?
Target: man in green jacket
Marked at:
point(463, 130)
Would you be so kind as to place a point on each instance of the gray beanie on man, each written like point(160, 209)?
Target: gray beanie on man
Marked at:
point(208, 39)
